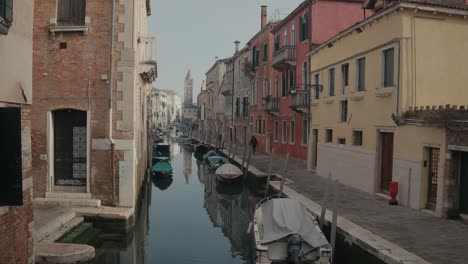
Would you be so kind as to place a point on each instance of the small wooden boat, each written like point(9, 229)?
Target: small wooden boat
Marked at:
point(162, 183)
point(285, 232)
point(201, 148)
point(216, 161)
point(162, 168)
point(229, 173)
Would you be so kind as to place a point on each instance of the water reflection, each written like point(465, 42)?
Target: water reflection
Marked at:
point(187, 165)
point(162, 183)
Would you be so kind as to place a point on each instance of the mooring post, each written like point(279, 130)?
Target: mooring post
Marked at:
point(248, 163)
point(270, 171)
point(243, 157)
point(334, 217)
point(234, 152)
point(283, 176)
point(230, 148)
point(325, 201)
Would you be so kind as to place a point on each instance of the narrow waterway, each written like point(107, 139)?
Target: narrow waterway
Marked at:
point(189, 218)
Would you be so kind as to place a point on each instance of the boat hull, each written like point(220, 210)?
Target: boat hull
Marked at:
point(236, 179)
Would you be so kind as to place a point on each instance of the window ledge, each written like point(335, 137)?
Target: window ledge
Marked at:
point(328, 100)
point(53, 27)
point(4, 27)
point(357, 96)
point(384, 91)
point(315, 102)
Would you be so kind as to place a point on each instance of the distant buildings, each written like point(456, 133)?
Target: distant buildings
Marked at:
point(166, 108)
point(189, 112)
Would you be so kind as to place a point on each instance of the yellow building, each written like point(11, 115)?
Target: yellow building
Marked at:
point(365, 131)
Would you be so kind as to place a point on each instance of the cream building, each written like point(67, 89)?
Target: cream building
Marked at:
point(364, 127)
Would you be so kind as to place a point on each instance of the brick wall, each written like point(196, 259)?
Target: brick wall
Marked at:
point(16, 243)
point(71, 78)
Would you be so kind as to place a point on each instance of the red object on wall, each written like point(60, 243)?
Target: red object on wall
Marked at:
point(393, 193)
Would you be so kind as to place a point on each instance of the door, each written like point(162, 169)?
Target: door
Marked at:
point(245, 136)
point(464, 182)
point(70, 150)
point(314, 145)
point(386, 161)
point(432, 178)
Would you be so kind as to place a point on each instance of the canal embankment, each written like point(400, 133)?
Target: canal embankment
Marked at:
point(393, 234)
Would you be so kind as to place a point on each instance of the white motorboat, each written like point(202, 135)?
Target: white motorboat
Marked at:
point(285, 232)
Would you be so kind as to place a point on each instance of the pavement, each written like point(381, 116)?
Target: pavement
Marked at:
point(436, 240)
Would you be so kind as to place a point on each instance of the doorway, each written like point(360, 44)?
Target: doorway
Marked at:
point(314, 147)
point(245, 135)
point(70, 150)
point(433, 169)
point(464, 182)
point(386, 161)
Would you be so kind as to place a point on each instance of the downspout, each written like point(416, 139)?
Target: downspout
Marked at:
point(398, 77)
point(112, 143)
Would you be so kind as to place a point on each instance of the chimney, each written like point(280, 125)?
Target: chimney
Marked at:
point(264, 15)
point(238, 42)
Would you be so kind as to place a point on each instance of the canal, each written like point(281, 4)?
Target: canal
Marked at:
point(189, 218)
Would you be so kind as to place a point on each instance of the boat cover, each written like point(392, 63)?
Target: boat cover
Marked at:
point(162, 166)
point(283, 217)
point(215, 160)
point(228, 170)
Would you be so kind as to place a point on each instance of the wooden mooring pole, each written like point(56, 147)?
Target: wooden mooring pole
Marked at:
point(334, 217)
point(270, 171)
point(283, 176)
point(248, 163)
point(325, 202)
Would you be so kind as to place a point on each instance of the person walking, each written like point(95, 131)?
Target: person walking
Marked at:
point(253, 143)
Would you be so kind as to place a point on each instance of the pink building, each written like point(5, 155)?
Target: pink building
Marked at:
point(287, 103)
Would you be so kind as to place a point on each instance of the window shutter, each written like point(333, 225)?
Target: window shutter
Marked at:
point(306, 26)
point(63, 11)
point(9, 10)
point(11, 189)
point(301, 29)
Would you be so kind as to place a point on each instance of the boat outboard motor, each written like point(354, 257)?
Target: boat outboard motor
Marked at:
point(294, 249)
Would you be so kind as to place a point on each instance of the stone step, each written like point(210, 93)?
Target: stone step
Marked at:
point(64, 253)
point(65, 229)
point(68, 195)
point(52, 225)
point(68, 202)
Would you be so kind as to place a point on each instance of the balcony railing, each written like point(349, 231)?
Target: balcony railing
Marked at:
point(284, 58)
point(272, 106)
point(300, 101)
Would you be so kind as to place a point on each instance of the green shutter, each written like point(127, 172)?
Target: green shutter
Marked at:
point(306, 26)
point(9, 10)
point(301, 29)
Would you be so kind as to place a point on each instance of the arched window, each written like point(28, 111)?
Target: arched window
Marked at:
point(305, 74)
point(293, 34)
point(285, 38)
point(277, 86)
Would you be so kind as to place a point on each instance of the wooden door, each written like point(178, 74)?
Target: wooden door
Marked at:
point(314, 145)
point(386, 161)
point(464, 182)
point(70, 150)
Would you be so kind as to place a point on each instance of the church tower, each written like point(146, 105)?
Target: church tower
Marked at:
point(188, 90)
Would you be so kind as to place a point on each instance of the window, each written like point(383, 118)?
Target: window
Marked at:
point(285, 37)
point(293, 35)
point(305, 131)
point(6, 13)
point(245, 106)
point(329, 135)
point(305, 74)
point(344, 111)
point(276, 136)
point(71, 12)
point(317, 90)
point(283, 84)
point(388, 67)
point(277, 43)
point(265, 52)
point(361, 74)
point(293, 132)
point(285, 129)
point(331, 82)
point(292, 78)
point(344, 77)
point(276, 86)
point(11, 189)
point(303, 27)
point(342, 141)
point(237, 106)
point(357, 138)
point(263, 127)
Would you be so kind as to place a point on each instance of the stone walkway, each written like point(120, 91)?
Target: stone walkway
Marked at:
point(438, 241)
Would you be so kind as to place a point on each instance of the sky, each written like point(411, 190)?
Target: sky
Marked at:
point(191, 33)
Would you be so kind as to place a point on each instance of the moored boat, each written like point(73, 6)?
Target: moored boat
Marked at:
point(285, 232)
point(229, 173)
point(162, 168)
point(216, 161)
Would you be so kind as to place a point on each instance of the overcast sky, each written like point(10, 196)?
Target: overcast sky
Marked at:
point(191, 33)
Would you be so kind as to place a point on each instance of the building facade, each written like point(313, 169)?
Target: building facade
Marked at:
point(215, 114)
point(260, 46)
point(160, 108)
point(310, 24)
point(93, 66)
point(389, 109)
point(189, 111)
point(16, 96)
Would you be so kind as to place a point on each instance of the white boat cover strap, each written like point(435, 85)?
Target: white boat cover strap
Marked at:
point(283, 217)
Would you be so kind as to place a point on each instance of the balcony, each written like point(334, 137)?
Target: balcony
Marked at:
point(284, 58)
point(300, 101)
point(272, 106)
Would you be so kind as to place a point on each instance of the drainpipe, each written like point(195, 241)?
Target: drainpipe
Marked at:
point(112, 143)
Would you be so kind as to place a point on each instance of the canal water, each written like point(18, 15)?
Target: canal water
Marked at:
point(189, 218)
